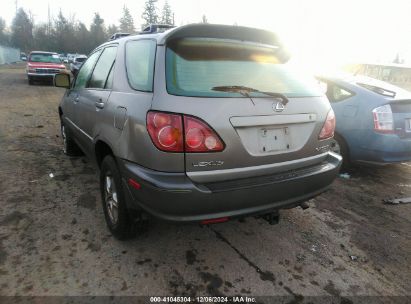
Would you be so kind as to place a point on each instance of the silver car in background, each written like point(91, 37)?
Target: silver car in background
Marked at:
point(200, 123)
point(76, 64)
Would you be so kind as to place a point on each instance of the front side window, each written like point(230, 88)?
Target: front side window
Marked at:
point(101, 71)
point(85, 71)
point(140, 57)
point(196, 66)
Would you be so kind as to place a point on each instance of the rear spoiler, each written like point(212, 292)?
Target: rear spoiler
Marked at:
point(240, 33)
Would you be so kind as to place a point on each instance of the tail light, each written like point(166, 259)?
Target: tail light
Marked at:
point(199, 137)
point(383, 119)
point(329, 126)
point(166, 131)
point(180, 133)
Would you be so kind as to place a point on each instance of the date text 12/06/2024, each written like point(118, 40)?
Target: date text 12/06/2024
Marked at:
point(236, 299)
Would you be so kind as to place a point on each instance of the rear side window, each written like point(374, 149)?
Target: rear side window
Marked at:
point(195, 66)
point(101, 71)
point(85, 71)
point(140, 56)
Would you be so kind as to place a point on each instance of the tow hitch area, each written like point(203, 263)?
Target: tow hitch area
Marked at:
point(272, 218)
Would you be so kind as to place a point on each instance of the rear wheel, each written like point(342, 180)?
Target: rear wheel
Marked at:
point(118, 218)
point(70, 148)
point(339, 146)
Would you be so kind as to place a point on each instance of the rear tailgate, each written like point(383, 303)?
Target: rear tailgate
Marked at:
point(258, 141)
point(401, 110)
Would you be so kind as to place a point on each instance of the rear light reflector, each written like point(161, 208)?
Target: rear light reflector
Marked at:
point(166, 132)
point(134, 184)
point(329, 126)
point(215, 221)
point(383, 119)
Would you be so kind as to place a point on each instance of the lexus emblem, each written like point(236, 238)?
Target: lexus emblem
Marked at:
point(278, 106)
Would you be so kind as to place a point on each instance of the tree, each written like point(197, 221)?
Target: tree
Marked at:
point(22, 31)
point(150, 15)
point(204, 19)
point(126, 21)
point(4, 37)
point(167, 16)
point(63, 34)
point(42, 38)
point(97, 31)
point(112, 29)
point(82, 38)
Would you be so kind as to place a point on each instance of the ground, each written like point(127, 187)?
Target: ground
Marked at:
point(54, 241)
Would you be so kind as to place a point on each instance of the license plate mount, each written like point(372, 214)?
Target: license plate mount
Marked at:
point(274, 140)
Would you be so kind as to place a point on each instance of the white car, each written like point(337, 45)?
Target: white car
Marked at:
point(76, 63)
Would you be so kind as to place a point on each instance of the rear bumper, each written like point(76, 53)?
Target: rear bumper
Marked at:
point(386, 148)
point(173, 196)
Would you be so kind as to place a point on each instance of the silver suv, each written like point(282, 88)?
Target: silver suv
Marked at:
point(199, 123)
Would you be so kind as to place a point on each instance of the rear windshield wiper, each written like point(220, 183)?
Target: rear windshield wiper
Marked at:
point(245, 91)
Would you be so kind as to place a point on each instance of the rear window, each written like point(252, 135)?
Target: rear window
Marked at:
point(195, 65)
point(81, 59)
point(44, 57)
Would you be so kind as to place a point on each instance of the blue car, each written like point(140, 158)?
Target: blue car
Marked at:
point(373, 119)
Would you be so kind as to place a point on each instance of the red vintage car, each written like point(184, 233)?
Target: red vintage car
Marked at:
point(44, 65)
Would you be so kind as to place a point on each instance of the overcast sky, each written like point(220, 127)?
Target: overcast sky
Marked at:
point(322, 32)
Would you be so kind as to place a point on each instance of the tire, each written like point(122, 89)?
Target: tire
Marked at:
point(70, 148)
point(339, 146)
point(30, 79)
point(119, 220)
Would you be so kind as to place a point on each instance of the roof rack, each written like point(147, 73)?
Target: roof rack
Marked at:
point(118, 35)
point(156, 28)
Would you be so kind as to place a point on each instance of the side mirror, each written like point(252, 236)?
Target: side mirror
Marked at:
point(62, 80)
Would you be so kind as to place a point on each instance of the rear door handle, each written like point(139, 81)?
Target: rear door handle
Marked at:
point(99, 104)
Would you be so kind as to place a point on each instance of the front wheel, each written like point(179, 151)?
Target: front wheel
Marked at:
point(120, 222)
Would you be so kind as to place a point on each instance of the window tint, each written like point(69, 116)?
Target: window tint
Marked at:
point(194, 66)
point(103, 66)
point(85, 71)
point(140, 55)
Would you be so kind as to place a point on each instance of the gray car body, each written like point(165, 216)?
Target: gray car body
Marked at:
point(116, 120)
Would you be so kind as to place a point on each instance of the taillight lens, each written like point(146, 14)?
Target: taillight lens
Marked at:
point(199, 137)
point(329, 126)
point(383, 119)
point(166, 132)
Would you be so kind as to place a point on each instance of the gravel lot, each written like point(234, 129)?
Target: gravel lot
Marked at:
point(53, 238)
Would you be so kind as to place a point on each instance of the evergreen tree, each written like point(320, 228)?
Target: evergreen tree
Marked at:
point(126, 21)
point(112, 29)
point(42, 38)
point(22, 31)
point(82, 39)
point(63, 34)
point(4, 38)
point(97, 31)
point(167, 14)
point(150, 15)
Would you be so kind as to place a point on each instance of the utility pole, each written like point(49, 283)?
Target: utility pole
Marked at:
point(48, 19)
point(16, 5)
